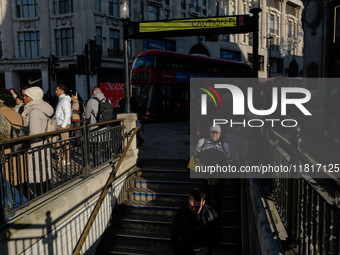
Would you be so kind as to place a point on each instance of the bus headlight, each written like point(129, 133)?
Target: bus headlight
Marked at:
point(147, 113)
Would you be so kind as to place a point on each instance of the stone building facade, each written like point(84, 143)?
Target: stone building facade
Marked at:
point(33, 30)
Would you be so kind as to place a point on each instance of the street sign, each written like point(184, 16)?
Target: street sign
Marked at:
point(188, 27)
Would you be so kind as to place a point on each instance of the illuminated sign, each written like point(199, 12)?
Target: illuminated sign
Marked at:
point(188, 24)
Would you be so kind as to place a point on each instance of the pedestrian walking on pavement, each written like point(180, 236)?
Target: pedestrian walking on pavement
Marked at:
point(196, 228)
point(37, 112)
point(334, 115)
point(63, 118)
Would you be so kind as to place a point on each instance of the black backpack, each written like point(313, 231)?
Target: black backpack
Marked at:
point(105, 110)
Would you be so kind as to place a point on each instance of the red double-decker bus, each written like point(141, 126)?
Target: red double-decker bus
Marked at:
point(161, 80)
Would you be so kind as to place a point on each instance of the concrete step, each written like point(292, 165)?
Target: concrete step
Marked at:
point(164, 173)
point(159, 183)
point(128, 249)
point(152, 207)
point(143, 194)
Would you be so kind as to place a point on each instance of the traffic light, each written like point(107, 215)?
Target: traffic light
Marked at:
point(81, 64)
point(53, 65)
point(95, 56)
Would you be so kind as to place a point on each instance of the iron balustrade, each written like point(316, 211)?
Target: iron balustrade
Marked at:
point(115, 53)
point(308, 207)
point(31, 173)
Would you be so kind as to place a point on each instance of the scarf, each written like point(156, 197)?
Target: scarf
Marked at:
point(29, 105)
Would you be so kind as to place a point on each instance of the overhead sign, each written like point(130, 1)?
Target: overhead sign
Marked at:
point(188, 27)
point(188, 24)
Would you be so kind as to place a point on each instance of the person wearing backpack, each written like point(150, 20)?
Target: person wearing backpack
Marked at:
point(37, 113)
point(11, 118)
point(98, 108)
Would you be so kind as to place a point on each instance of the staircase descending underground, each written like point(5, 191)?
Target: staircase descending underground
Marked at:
point(141, 224)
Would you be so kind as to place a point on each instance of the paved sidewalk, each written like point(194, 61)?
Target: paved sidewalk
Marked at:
point(169, 140)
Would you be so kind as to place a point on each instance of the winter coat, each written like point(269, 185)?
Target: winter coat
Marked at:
point(92, 107)
point(15, 118)
point(63, 111)
point(188, 230)
point(37, 113)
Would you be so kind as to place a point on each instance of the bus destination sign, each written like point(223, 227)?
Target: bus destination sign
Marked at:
point(189, 27)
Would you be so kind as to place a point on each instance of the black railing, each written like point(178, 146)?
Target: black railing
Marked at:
point(115, 53)
point(32, 173)
point(307, 204)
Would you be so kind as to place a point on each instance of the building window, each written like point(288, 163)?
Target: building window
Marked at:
point(204, 7)
point(27, 8)
point(99, 36)
point(0, 46)
point(64, 42)
point(166, 14)
point(276, 65)
point(230, 55)
point(290, 29)
point(114, 50)
point(194, 5)
point(274, 3)
point(159, 44)
point(183, 4)
point(63, 6)
point(29, 44)
point(260, 59)
point(290, 10)
point(153, 12)
point(113, 7)
point(97, 6)
point(182, 15)
point(251, 39)
point(167, 2)
point(271, 24)
point(277, 25)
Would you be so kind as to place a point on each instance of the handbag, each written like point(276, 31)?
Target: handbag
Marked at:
point(19, 132)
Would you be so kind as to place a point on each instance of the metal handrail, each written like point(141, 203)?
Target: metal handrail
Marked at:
point(54, 133)
point(105, 190)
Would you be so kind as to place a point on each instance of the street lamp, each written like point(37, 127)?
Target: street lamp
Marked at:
point(124, 17)
point(255, 10)
point(270, 39)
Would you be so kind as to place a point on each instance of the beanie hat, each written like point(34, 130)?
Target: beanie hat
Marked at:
point(35, 93)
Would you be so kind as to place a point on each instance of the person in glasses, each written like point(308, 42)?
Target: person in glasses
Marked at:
point(209, 152)
point(196, 228)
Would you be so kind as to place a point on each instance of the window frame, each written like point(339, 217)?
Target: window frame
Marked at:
point(29, 46)
point(60, 41)
point(60, 5)
point(21, 7)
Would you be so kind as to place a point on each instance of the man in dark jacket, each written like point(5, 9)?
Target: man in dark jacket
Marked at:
point(196, 226)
